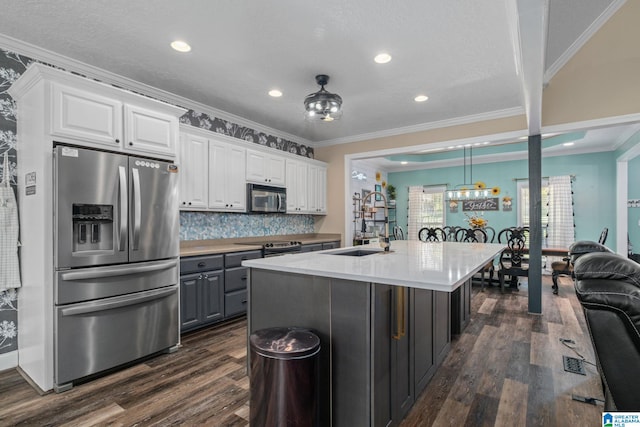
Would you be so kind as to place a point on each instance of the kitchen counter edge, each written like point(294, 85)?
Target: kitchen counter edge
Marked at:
point(222, 246)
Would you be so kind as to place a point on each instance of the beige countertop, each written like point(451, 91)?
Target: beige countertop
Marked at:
point(222, 246)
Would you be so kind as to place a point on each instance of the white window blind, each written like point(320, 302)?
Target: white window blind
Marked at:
point(426, 208)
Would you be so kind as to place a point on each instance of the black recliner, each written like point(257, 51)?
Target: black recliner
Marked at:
point(608, 287)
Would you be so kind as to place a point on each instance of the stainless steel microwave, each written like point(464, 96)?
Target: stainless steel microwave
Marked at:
point(266, 199)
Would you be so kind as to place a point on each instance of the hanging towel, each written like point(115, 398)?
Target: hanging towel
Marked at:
point(9, 229)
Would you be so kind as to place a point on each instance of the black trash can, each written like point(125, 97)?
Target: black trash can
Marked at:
point(284, 377)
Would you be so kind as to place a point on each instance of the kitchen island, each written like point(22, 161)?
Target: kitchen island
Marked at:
point(384, 318)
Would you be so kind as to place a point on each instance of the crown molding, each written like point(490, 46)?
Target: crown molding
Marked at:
point(491, 115)
point(90, 71)
point(582, 39)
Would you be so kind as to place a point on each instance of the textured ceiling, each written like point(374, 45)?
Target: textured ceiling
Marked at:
point(463, 54)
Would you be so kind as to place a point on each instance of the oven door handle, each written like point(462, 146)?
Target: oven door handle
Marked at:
point(126, 270)
point(94, 306)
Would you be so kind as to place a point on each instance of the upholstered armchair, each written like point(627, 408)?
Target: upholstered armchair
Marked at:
point(608, 287)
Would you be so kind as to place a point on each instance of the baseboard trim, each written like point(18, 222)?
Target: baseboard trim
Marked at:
point(8, 360)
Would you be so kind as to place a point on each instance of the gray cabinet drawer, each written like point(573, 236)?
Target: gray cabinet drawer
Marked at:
point(311, 247)
point(235, 303)
point(235, 279)
point(201, 263)
point(235, 259)
point(330, 245)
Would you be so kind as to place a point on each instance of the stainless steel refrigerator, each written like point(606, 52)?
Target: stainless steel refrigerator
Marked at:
point(116, 249)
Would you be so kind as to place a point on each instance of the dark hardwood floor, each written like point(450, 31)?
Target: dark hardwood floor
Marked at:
point(505, 369)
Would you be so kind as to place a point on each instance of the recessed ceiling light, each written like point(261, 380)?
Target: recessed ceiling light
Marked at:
point(568, 144)
point(275, 93)
point(421, 98)
point(404, 162)
point(180, 46)
point(382, 58)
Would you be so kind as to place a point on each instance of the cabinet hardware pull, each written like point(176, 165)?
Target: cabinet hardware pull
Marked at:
point(400, 307)
point(117, 141)
point(201, 264)
point(130, 143)
point(243, 278)
point(244, 301)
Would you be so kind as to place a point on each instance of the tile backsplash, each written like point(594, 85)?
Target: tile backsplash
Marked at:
point(220, 225)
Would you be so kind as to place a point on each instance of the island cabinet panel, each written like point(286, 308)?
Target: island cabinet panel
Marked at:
point(380, 344)
point(422, 314)
point(392, 363)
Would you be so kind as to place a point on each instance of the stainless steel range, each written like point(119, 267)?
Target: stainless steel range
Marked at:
point(280, 248)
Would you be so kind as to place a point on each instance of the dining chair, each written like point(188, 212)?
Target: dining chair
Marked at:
point(471, 235)
point(565, 267)
point(477, 235)
point(491, 233)
point(432, 234)
point(512, 261)
point(450, 231)
point(398, 234)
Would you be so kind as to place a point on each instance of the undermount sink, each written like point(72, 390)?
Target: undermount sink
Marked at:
point(355, 252)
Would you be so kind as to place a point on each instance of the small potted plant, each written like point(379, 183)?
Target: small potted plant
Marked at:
point(391, 193)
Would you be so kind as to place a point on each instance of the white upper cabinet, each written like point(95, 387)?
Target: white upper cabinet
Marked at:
point(227, 185)
point(317, 185)
point(149, 131)
point(86, 116)
point(297, 187)
point(265, 168)
point(84, 112)
point(193, 169)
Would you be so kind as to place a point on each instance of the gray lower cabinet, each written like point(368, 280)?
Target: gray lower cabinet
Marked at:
point(393, 380)
point(312, 247)
point(460, 307)
point(380, 344)
point(235, 282)
point(411, 339)
point(213, 288)
point(201, 291)
point(331, 245)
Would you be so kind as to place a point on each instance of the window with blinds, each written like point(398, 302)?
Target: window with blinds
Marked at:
point(523, 204)
point(426, 208)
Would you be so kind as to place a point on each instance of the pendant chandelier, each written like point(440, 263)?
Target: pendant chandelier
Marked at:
point(323, 105)
point(470, 190)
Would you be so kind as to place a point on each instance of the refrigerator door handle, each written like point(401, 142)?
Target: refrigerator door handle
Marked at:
point(95, 306)
point(137, 207)
point(126, 270)
point(122, 237)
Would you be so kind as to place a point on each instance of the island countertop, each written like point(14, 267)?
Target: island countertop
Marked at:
point(439, 266)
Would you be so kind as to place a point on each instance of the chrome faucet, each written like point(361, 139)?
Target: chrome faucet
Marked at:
point(385, 239)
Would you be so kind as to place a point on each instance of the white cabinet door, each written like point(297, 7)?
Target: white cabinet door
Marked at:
point(296, 186)
point(90, 119)
point(227, 185)
point(265, 168)
point(317, 189)
point(194, 164)
point(149, 131)
point(275, 169)
point(236, 184)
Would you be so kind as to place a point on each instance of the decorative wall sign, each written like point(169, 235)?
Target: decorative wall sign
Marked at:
point(453, 206)
point(506, 204)
point(490, 204)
